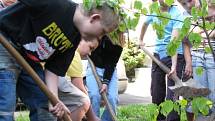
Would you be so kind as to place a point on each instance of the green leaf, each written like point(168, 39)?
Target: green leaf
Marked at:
point(138, 4)
point(122, 27)
point(144, 11)
point(132, 22)
point(199, 71)
point(208, 50)
point(195, 39)
point(87, 4)
point(166, 107)
point(187, 22)
point(209, 25)
point(172, 47)
point(159, 28)
point(154, 8)
point(183, 103)
point(194, 13)
point(169, 2)
point(201, 104)
point(165, 21)
point(204, 9)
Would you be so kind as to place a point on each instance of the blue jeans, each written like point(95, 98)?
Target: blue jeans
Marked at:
point(9, 70)
point(29, 92)
point(95, 96)
point(7, 95)
point(207, 79)
point(32, 96)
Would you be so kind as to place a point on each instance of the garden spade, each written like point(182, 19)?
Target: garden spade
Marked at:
point(104, 95)
point(189, 88)
point(54, 100)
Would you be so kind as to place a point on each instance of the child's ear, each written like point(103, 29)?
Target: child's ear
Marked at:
point(95, 17)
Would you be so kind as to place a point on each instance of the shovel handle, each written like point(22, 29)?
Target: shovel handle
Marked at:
point(163, 67)
point(32, 73)
point(104, 95)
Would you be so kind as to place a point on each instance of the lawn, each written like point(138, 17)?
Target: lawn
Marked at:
point(125, 113)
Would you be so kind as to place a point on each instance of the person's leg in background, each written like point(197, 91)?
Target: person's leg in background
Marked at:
point(7, 95)
point(112, 97)
point(9, 70)
point(210, 69)
point(93, 90)
point(32, 96)
point(158, 85)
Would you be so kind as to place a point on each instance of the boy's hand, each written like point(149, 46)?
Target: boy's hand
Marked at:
point(59, 109)
point(141, 44)
point(188, 70)
point(172, 72)
point(103, 88)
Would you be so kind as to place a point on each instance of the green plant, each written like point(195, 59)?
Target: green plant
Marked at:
point(200, 105)
point(133, 58)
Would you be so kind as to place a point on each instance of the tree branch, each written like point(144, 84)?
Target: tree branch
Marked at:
point(206, 32)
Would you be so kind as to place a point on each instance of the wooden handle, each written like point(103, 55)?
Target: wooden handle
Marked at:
point(163, 67)
point(32, 73)
point(104, 95)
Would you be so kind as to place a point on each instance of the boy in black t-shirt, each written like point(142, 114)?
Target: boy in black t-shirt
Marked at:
point(45, 31)
point(105, 58)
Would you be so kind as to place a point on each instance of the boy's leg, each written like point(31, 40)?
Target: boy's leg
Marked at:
point(32, 96)
point(112, 97)
point(93, 90)
point(158, 85)
point(77, 102)
point(173, 116)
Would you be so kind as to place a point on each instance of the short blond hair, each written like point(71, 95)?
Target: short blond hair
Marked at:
point(109, 17)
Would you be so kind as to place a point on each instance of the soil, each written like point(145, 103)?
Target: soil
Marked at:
point(189, 92)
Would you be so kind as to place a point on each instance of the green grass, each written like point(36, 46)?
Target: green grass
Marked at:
point(130, 113)
point(124, 113)
point(22, 116)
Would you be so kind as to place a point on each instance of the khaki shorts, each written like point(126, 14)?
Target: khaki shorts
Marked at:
point(70, 95)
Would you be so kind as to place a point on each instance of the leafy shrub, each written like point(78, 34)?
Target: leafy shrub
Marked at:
point(133, 58)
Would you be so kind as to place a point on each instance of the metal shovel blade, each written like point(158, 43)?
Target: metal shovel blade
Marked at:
point(190, 88)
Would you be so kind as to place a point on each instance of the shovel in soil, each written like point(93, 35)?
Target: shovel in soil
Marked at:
point(190, 88)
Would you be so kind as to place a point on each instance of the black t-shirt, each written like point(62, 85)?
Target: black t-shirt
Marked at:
point(106, 56)
point(44, 30)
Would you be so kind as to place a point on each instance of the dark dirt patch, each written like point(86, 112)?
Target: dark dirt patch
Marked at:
point(188, 92)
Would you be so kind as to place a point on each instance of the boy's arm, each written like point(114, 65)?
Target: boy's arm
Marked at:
point(52, 83)
point(188, 59)
point(174, 57)
point(142, 34)
point(78, 82)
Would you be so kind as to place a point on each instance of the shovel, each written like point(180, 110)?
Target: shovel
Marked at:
point(190, 88)
point(32, 73)
point(104, 96)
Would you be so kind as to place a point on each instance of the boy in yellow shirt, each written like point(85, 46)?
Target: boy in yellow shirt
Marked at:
point(71, 88)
